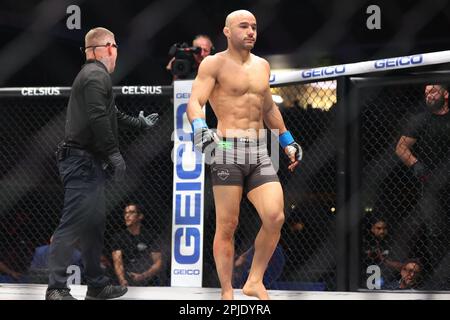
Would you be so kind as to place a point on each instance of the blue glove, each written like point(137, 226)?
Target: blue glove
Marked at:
point(148, 121)
point(203, 136)
point(286, 140)
point(294, 147)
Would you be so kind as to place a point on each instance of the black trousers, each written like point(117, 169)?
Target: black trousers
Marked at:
point(434, 216)
point(82, 223)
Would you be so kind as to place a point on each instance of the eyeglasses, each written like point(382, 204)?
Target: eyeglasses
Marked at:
point(108, 44)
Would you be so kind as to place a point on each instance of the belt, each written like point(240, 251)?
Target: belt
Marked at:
point(78, 152)
point(65, 152)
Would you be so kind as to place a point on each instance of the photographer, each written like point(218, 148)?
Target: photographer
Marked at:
point(188, 59)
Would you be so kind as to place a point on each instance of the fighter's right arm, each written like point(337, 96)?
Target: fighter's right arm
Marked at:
point(202, 87)
point(403, 150)
point(201, 90)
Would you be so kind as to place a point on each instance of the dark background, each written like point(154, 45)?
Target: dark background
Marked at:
point(36, 48)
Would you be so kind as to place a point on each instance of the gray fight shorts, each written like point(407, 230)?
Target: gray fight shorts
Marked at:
point(243, 162)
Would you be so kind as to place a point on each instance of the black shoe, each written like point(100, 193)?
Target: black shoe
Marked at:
point(104, 293)
point(59, 294)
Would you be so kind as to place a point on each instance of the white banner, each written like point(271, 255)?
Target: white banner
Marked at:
point(361, 67)
point(188, 195)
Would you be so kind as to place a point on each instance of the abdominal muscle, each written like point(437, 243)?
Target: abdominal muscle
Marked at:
point(238, 116)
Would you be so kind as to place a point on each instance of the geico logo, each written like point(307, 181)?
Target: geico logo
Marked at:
point(188, 196)
point(326, 71)
point(397, 62)
point(44, 91)
point(141, 90)
point(187, 245)
point(189, 272)
point(183, 95)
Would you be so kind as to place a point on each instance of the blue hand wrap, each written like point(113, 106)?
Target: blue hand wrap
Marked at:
point(198, 124)
point(285, 139)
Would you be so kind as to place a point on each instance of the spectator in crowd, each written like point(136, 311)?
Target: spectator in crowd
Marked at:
point(39, 271)
point(424, 147)
point(410, 276)
point(203, 42)
point(9, 275)
point(136, 256)
point(296, 243)
point(378, 251)
point(292, 233)
point(16, 248)
point(40, 257)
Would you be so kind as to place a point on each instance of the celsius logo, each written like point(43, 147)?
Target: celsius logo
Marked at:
point(44, 91)
point(325, 71)
point(398, 62)
point(141, 90)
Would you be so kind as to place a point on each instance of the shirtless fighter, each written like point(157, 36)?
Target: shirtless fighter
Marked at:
point(236, 83)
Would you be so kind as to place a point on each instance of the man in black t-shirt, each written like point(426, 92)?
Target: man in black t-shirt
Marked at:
point(425, 148)
point(425, 143)
point(377, 251)
point(136, 255)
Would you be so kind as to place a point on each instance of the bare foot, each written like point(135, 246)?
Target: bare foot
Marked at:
point(256, 290)
point(227, 295)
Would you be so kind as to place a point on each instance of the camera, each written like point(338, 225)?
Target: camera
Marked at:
point(184, 65)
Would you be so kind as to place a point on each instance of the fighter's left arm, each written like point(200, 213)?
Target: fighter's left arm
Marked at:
point(274, 121)
point(272, 115)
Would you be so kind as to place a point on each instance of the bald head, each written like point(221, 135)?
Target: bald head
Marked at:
point(233, 17)
point(240, 30)
point(100, 45)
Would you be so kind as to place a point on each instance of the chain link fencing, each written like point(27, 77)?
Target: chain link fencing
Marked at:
point(31, 193)
point(405, 208)
point(31, 197)
point(326, 243)
point(305, 256)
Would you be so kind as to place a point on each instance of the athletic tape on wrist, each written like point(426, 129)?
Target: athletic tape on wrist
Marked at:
point(285, 139)
point(198, 124)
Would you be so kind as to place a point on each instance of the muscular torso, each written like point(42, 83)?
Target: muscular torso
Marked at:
point(238, 95)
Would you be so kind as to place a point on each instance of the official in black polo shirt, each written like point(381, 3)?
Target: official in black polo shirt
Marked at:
point(90, 144)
